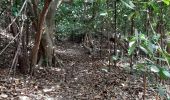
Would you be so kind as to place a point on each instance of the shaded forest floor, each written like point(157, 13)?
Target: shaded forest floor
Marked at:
point(81, 77)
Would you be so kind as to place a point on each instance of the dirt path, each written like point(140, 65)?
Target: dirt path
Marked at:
point(84, 77)
point(81, 78)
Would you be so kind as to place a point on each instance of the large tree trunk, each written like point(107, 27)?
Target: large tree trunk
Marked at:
point(44, 36)
point(38, 34)
point(47, 43)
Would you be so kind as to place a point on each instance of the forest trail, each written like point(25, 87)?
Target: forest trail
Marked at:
point(82, 77)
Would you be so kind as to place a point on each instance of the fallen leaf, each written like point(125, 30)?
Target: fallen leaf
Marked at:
point(97, 97)
point(4, 95)
point(24, 98)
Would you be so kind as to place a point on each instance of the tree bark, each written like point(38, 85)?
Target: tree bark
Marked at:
point(44, 36)
point(47, 42)
point(38, 35)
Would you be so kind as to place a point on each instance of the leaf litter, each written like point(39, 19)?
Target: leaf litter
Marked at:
point(82, 77)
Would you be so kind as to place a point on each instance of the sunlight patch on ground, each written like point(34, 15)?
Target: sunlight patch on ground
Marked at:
point(68, 51)
point(5, 34)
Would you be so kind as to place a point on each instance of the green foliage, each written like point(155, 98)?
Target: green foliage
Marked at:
point(149, 47)
point(142, 42)
point(16, 7)
point(80, 17)
point(161, 91)
point(4, 5)
point(128, 3)
point(167, 2)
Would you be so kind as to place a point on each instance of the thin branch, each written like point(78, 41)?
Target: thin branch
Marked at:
point(17, 15)
point(10, 25)
point(15, 60)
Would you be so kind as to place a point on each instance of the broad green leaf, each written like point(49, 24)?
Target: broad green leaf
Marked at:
point(103, 14)
point(131, 4)
point(154, 5)
point(146, 48)
point(14, 11)
point(114, 58)
point(89, 1)
point(167, 73)
point(161, 91)
point(164, 74)
point(132, 47)
point(150, 47)
point(166, 2)
point(128, 4)
point(143, 49)
point(168, 96)
point(154, 68)
point(142, 37)
point(161, 74)
point(131, 15)
point(131, 43)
